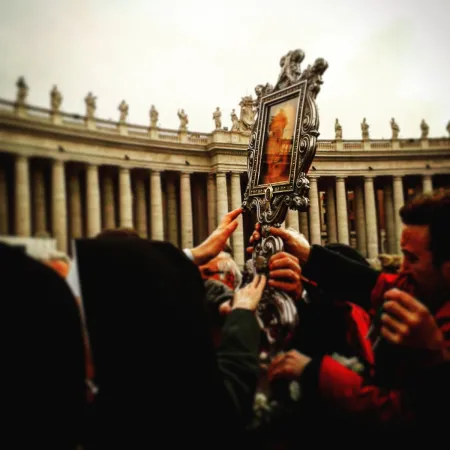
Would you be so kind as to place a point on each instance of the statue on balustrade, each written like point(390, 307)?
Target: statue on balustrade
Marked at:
point(153, 117)
point(123, 108)
point(91, 105)
point(248, 112)
point(55, 99)
point(217, 114)
point(22, 91)
point(425, 129)
point(234, 121)
point(338, 130)
point(395, 129)
point(365, 130)
point(183, 120)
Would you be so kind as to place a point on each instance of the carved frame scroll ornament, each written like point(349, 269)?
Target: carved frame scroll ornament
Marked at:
point(283, 142)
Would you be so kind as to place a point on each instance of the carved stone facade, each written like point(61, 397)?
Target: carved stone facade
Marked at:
point(77, 176)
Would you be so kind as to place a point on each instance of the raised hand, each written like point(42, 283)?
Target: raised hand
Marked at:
point(254, 238)
point(250, 296)
point(285, 274)
point(216, 241)
point(288, 365)
point(295, 243)
point(408, 322)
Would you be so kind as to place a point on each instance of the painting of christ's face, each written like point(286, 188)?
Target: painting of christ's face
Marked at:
point(278, 138)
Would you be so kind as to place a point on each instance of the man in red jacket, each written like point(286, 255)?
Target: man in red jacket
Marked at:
point(411, 321)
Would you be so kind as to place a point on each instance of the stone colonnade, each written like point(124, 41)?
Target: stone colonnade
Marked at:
point(68, 200)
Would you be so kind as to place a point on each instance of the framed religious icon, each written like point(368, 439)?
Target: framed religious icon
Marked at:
point(283, 140)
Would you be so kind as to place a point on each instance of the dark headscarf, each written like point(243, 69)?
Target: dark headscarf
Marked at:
point(43, 390)
point(152, 347)
point(348, 251)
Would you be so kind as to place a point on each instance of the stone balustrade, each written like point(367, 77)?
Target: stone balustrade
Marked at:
point(69, 175)
point(223, 136)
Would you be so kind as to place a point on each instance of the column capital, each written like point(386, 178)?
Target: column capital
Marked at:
point(369, 176)
point(341, 177)
point(124, 169)
point(58, 162)
point(313, 177)
point(185, 174)
point(21, 157)
point(397, 177)
point(159, 171)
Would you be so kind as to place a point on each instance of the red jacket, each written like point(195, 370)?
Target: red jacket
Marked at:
point(345, 390)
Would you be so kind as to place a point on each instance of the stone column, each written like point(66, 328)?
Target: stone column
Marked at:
point(303, 219)
point(331, 215)
point(4, 216)
point(292, 219)
point(360, 220)
point(187, 235)
point(22, 194)
point(172, 210)
point(238, 235)
point(314, 212)
point(76, 215)
point(342, 213)
point(212, 203)
point(399, 201)
point(371, 218)
point(109, 204)
point(93, 218)
point(389, 219)
point(39, 202)
point(157, 206)
point(222, 196)
point(59, 211)
point(427, 184)
point(125, 200)
point(141, 209)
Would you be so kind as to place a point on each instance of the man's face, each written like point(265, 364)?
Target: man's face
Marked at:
point(418, 263)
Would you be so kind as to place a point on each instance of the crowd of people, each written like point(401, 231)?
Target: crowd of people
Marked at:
point(135, 343)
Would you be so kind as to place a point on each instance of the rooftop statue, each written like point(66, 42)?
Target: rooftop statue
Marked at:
point(55, 99)
point(91, 105)
point(123, 108)
point(183, 120)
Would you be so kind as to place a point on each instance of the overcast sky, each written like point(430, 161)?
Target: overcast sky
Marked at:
point(387, 58)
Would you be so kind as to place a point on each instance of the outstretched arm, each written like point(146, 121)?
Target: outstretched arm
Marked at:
point(341, 277)
point(238, 354)
point(216, 241)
